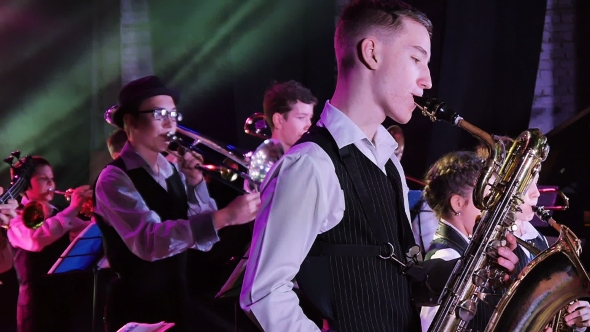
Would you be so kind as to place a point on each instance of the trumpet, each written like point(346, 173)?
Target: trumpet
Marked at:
point(87, 207)
point(33, 214)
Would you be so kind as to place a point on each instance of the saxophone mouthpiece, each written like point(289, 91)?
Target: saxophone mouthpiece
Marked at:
point(435, 110)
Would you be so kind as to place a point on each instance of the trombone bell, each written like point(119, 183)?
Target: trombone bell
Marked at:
point(261, 161)
point(257, 126)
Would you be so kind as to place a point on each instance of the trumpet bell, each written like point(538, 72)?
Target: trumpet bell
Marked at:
point(261, 161)
point(33, 215)
point(257, 126)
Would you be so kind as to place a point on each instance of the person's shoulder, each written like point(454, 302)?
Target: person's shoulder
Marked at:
point(109, 174)
point(310, 153)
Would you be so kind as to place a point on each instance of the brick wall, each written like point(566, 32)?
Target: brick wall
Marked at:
point(555, 90)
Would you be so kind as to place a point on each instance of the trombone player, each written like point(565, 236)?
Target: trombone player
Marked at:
point(38, 243)
point(151, 211)
point(288, 110)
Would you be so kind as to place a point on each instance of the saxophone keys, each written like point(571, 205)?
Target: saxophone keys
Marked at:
point(467, 310)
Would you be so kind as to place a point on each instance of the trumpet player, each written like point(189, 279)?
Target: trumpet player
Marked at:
point(151, 211)
point(37, 246)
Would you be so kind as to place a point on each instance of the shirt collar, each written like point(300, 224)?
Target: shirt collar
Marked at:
point(134, 160)
point(346, 132)
point(527, 230)
point(456, 230)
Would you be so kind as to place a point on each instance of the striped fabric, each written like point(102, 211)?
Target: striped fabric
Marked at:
point(368, 293)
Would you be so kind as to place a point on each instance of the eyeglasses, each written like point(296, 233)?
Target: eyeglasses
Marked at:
point(161, 114)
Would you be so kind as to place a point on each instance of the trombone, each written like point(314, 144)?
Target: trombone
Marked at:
point(256, 163)
point(257, 126)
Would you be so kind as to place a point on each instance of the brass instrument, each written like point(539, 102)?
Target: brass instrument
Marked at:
point(256, 163)
point(257, 126)
point(553, 280)
point(557, 324)
point(33, 214)
point(87, 207)
point(534, 251)
point(507, 175)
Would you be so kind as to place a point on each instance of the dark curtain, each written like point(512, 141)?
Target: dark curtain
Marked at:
point(222, 58)
point(489, 68)
point(485, 56)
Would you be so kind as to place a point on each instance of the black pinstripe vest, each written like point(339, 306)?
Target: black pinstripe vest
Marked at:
point(361, 293)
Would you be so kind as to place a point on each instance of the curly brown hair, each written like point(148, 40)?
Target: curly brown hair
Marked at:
point(453, 174)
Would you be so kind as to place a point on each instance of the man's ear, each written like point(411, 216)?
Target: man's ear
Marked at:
point(367, 51)
point(277, 120)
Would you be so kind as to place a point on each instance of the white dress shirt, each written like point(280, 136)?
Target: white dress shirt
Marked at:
point(424, 226)
point(142, 230)
point(53, 228)
point(301, 198)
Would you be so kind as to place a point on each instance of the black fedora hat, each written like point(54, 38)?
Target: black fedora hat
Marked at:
point(134, 92)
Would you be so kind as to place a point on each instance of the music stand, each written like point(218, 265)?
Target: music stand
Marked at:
point(233, 285)
point(83, 253)
point(414, 197)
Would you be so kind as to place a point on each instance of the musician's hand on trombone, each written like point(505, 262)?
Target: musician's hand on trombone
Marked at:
point(241, 210)
point(188, 166)
point(8, 210)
